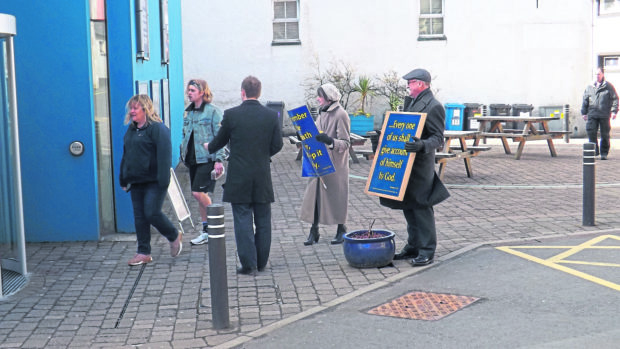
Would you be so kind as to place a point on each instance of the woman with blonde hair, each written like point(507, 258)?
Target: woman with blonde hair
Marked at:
point(145, 174)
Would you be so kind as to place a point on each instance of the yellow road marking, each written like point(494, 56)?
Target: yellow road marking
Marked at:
point(556, 261)
point(598, 264)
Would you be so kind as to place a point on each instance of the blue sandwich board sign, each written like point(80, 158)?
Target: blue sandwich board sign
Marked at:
point(391, 167)
point(316, 161)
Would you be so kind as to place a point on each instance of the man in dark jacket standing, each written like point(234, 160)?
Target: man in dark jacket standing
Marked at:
point(253, 134)
point(424, 188)
point(600, 101)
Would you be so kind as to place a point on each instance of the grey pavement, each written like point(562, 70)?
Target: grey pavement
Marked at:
point(78, 292)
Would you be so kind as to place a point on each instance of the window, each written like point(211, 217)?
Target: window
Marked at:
point(609, 6)
point(609, 63)
point(285, 22)
point(431, 20)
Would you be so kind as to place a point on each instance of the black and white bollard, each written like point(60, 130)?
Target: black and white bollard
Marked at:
point(217, 266)
point(589, 183)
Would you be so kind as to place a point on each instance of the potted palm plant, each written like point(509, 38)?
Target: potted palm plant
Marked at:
point(361, 121)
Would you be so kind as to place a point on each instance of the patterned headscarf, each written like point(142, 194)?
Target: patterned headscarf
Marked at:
point(331, 92)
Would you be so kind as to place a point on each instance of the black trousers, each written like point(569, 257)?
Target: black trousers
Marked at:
point(592, 127)
point(422, 236)
point(252, 247)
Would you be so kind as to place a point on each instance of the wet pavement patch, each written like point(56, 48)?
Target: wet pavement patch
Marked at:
point(423, 306)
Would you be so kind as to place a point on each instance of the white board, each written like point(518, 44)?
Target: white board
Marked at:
point(178, 200)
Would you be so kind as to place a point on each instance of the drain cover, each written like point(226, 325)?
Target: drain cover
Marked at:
point(11, 282)
point(423, 306)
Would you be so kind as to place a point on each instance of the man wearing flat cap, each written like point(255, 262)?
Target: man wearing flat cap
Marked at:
point(424, 189)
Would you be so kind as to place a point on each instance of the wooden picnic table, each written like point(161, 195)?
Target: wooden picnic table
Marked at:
point(458, 151)
point(535, 128)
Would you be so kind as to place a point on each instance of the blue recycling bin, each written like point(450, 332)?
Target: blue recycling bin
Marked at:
point(454, 116)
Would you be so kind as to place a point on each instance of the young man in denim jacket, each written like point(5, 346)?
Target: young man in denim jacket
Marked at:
point(200, 124)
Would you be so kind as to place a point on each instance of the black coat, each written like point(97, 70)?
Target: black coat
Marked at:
point(599, 102)
point(147, 155)
point(253, 134)
point(424, 187)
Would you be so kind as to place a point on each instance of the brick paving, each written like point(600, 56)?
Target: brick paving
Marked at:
point(77, 291)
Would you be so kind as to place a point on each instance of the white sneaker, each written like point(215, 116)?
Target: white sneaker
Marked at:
point(203, 238)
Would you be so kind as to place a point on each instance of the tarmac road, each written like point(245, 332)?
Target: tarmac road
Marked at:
point(522, 304)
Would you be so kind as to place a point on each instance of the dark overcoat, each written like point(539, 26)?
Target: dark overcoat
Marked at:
point(253, 134)
point(424, 187)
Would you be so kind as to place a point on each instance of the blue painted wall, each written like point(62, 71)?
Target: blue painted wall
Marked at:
point(177, 88)
point(54, 98)
point(54, 91)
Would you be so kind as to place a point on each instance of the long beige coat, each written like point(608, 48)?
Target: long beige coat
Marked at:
point(333, 201)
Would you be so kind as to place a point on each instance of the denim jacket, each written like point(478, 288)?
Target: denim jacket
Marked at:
point(205, 123)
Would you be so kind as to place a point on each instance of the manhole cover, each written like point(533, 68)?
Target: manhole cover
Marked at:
point(423, 306)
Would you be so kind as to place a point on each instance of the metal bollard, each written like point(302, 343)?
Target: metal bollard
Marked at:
point(217, 266)
point(589, 181)
point(565, 125)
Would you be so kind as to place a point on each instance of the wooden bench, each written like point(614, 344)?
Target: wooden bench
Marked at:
point(295, 141)
point(357, 140)
point(471, 148)
point(368, 154)
point(512, 130)
point(456, 152)
point(500, 135)
point(560, 134)
point(443, 155)
point(516, 133)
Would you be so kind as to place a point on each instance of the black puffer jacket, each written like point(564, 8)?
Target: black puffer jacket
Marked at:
point(599, 102)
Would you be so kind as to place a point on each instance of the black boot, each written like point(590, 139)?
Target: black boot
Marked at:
point(313, 236)
point(339, 238)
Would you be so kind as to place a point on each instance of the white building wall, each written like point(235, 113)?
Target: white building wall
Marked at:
point(605, 43)
point(506, 52)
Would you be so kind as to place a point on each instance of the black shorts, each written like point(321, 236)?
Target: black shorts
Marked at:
point(200, 177)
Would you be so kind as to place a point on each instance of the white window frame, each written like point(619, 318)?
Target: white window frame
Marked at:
point(432, 16)
point(614, 9)
point(286, 41)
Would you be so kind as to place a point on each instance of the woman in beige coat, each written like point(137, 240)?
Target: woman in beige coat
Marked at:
point(326, 198)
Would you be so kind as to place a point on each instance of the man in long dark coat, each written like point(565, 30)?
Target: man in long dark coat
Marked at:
point(424, 188)
point(253, 134)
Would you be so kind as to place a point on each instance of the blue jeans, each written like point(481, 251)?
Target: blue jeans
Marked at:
point(147, 200)
point(252, 248)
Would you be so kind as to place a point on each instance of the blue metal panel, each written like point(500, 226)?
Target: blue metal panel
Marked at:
point(54, 90)
point(122, 53)
point(175, 70)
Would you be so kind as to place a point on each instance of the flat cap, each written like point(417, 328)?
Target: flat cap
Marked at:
point(418, 74)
